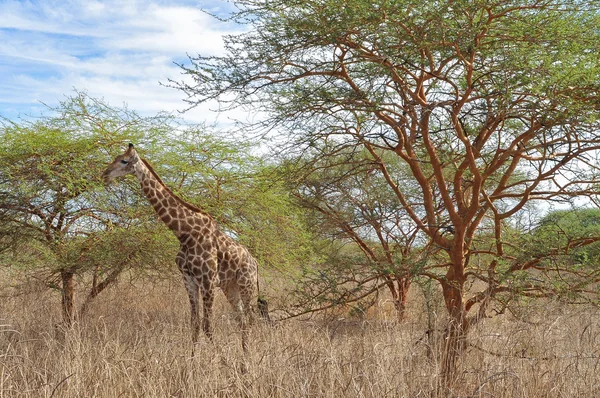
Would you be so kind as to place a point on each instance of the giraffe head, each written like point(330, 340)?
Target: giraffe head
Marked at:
point(122, 165)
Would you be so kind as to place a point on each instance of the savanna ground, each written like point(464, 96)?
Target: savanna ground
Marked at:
point(134, 342)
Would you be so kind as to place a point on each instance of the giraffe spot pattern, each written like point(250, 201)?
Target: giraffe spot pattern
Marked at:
point(207, 258)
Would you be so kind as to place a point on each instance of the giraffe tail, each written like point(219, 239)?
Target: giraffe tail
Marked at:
point(263, 307)
point(263, 310)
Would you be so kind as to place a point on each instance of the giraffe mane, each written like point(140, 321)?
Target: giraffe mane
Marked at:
point(160, 181)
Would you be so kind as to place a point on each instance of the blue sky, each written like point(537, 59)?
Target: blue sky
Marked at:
point(115, 50)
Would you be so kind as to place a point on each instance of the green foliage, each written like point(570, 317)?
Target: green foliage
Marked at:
point(561, 230)
point(488, 104)
point(449, 117)
point(51, 193)
point(518, 47)
point(238, 189)
point(364, 239)
point(53, 206)
point(268, 221)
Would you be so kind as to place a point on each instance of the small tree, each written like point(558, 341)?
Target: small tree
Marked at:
point(59, 219)
point(240, 190)
point(52, 201)
point(564, 250)
point(373, 241)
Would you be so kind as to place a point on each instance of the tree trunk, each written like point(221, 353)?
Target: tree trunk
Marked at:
point(68, 296)
point(403, 284)
point(455, 344)
point(455, 335)
point(97, 288)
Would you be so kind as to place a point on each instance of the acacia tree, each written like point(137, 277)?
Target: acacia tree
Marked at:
point(57, 219)
point(565, 242)
point(235, 187)
point(490, 104)
point(372, 243)
point(59, 222)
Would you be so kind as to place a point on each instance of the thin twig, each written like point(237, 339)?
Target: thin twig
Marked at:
point(61, 382)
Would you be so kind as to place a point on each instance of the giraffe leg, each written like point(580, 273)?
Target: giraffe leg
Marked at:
point(248, 300)
point(191, 286)
point(208, 297)
point(235, 299)
point(246, 286)
point(192, 289)
point(248, 314)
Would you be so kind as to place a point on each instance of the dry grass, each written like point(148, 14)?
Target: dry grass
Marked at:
point(135, 343)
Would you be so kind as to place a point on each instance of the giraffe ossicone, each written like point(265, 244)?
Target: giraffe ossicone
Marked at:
point(207, 257)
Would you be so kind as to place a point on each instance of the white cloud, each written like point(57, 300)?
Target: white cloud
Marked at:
point(63, 17)
point(173, 30)
point(116, 50)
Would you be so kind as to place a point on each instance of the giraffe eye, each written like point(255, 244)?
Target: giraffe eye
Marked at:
point(124, 161)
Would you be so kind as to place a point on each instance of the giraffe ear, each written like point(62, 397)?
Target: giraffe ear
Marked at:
point(130, 151)
point(132, 154)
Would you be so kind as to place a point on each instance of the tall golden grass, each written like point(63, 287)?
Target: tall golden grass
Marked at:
point(134, 342)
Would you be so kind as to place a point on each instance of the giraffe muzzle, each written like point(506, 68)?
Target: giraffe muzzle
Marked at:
point(106, 178)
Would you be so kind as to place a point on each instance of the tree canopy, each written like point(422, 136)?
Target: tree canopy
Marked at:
point(56, 217)
point(58, 221)
point(490, 104)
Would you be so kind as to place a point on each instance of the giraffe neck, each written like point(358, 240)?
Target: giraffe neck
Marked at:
point(171, 209)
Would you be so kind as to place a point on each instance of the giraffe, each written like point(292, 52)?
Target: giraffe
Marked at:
point(207, 258)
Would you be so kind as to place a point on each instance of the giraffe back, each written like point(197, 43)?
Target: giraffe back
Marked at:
point(237, 267)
